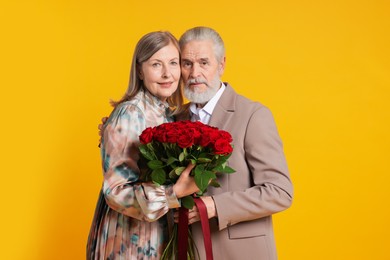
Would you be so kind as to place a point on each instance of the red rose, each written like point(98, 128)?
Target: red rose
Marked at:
point(146, 136)
point(205, 140)
point(185, 140)
point(225, 135)
point(196, 135)
point(221, 146)
point(172, 135)
point(209, 136)
point(167, 126)
point(160, 136)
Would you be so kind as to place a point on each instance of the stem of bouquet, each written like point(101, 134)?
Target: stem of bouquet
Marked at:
point(171, 250)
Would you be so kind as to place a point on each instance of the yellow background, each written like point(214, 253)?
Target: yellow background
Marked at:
point(323, 67)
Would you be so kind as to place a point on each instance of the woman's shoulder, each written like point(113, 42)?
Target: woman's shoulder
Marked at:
point(132, 105)
point(127, 110)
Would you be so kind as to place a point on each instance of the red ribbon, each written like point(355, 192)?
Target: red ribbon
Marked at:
point(204, 219)
point(183, 231)
point(182, 234)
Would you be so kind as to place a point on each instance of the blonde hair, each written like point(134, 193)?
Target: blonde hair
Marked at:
point(146, 47)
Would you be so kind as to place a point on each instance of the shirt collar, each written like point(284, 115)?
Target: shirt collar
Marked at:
point(210, 105)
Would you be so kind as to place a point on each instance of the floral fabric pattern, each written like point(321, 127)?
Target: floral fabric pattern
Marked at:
point(130, 220)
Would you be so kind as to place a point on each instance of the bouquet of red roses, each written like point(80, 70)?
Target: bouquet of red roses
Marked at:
point(170, 147)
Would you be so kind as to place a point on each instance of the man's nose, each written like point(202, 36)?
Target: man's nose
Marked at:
point(195, 70)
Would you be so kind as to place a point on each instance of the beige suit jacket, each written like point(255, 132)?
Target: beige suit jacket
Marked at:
point(260, 187)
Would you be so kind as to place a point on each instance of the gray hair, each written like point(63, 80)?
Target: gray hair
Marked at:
point(202, 33)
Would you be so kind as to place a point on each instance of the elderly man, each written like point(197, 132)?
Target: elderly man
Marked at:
point(240, 211)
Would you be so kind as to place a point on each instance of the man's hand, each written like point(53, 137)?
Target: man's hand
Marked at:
point(193, 214)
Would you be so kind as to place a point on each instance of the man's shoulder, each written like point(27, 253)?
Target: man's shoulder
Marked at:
point(242, 102)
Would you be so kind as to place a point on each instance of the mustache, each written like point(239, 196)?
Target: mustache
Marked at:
point(196, 81)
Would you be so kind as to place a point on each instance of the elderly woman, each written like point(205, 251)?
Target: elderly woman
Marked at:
point(130, 219)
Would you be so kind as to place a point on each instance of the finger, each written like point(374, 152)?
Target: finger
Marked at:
point(194, 219)
point(188, 169)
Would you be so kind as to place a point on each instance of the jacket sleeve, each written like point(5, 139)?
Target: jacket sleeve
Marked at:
point(271, 188)
point(121, 187)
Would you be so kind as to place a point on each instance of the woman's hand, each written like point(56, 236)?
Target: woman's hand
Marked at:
point(185, 185)
point(100, 127)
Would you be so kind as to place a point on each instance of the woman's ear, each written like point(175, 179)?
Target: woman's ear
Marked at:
point(139, 72)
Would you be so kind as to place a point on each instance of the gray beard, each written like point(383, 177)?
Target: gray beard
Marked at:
point(204, 97)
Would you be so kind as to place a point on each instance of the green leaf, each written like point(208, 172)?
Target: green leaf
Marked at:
point(218, 168)
point(158, 176)
point(155, 164)
point(179, 170)
point(227, 170)
point(223, 168)
point(150, 146)
point(222, 160)
point(203, 155)
point(199, 193)
point(199, 169)
point(181, 156)
point(202, 180)
point(214, 183)
point(187, 202)
point(203, 160)
point(145, 152)
point(171, 160)
point(172, 174)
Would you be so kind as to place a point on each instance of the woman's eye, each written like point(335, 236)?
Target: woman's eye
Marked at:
point(155, 65)
point(174, 63)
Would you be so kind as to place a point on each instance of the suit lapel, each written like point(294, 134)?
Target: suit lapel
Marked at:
point(224, 109)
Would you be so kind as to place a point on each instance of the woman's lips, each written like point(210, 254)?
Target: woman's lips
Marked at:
point(165, 84)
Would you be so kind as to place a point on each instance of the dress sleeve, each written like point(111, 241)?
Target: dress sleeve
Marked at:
point(121, 187)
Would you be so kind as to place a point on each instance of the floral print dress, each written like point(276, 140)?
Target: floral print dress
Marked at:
point(130, 220)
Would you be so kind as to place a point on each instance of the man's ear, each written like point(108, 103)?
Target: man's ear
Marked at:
point(221, 68)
